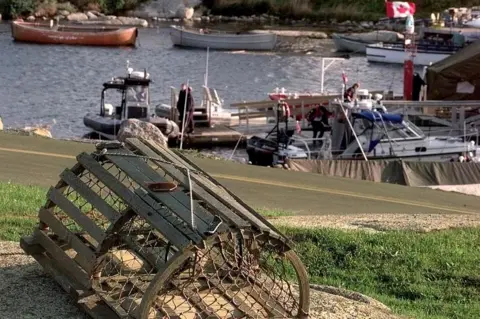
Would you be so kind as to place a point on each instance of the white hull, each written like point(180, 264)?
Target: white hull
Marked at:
point(473, 23)
point(344, 44)
point(396, 55)
point(223, 41)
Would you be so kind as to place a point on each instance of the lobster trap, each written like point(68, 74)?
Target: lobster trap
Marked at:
point(137, 230)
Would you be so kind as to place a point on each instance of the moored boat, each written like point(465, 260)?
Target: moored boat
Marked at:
point(395, 53)
point(219, 40)
point(41, 33)
point(357, 43)
point(431, 48)
point(135, 104)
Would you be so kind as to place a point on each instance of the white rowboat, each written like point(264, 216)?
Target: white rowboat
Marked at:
point(222, 40)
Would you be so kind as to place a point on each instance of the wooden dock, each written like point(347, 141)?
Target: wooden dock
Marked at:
point(218, 135)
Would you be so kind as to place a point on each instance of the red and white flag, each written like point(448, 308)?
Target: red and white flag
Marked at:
point(344, 77)
point(399, 9)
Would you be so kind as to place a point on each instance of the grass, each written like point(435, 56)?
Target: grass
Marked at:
point(424, 275)
point(18, 206)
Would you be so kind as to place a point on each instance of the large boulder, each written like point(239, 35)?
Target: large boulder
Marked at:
point(140, 129)
point(79, 16)
point(185, 13)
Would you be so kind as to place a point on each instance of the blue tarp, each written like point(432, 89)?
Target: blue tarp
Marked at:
point(376, 116)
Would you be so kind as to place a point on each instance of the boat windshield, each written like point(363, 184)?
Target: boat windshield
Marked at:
point(137, 95)
point(394, 131)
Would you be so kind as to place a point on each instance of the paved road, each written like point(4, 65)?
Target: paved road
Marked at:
point(39, 161)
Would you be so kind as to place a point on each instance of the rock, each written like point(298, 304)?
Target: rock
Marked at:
point(30, 18)
point(64, 13)
point(91, 15)
point(185, 13)
point(77, 17)
point(38, 130)
point(133, 21)
point(140, 129)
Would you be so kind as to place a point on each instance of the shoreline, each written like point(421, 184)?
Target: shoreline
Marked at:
point(303, 26)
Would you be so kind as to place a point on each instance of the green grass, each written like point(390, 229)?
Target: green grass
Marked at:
point(425, 275)
point(18, 206)
point(431, 275)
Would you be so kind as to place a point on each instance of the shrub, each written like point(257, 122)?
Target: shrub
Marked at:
point(17, 8)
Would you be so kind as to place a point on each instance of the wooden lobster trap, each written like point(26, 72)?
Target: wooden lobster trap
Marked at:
point(139, 231)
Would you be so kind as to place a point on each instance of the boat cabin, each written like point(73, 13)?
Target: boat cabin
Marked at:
point(135, 97)
point(386, 135)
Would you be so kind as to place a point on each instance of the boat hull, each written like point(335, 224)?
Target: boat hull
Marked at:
point(345, 44)
point(110, 127)
point(223, 41)
point(397, 55)
point(73, 35)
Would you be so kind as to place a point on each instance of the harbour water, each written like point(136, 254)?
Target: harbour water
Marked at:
point(46, 84)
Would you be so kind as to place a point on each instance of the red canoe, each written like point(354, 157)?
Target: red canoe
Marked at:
point(74, 35)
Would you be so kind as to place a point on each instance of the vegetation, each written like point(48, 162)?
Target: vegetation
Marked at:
point(49, 8)
point(425, 275)
point(323, 10)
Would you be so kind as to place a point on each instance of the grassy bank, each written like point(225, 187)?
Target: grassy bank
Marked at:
point(425, 275)
point(324, 10)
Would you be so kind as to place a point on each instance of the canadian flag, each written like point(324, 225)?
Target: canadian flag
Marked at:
point(399, 9)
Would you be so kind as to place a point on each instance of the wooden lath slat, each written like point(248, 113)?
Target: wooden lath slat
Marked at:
point(176, 201)
point(69, 266)
point(136, 203)
point(241, 305)
point(208, 185)
point(76, 214)
point(233, 198)
point(168, 215)
point(196, 301)
point(198, 191)
point(86, 192)
point(86, 257)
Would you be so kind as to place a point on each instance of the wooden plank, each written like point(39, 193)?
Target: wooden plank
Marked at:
point(192, 296)
point(76, 214)
point(137, 204)
point(234, 198)
point(96, 308)
point(113, 304)
point(242, 306)
point(87, 256)
point(198, 191)
point(61, 259)
point(88, 194)
point(177, 201)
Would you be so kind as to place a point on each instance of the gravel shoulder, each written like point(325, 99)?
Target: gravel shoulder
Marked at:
point(27, 292)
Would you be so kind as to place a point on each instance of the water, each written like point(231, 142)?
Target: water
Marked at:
point(43, 84)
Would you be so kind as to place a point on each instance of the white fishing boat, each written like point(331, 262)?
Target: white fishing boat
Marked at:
point(357, 43)
point(395, 53)
point(361, 130)
point(432, 48)
point(221, 40)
